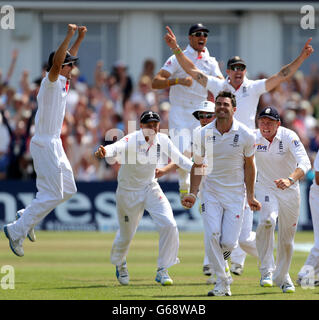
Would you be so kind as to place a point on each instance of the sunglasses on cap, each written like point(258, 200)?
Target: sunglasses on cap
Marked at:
point(200, 34)
point(205, 115)
point(239, 67)
point(69, 64)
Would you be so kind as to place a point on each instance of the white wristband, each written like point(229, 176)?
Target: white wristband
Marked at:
point(192, 195)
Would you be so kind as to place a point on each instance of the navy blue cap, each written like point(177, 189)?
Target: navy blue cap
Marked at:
point(68, 59)
point(269, 112)
point(149, 116)
point(197, 27)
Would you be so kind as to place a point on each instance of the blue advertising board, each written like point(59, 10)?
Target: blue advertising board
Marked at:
point(93, 208)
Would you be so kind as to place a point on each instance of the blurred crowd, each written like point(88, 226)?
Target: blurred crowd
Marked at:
point(94, 111)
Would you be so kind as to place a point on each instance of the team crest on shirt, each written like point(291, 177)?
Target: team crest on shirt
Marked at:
point(245, 92)
point(235, 141)
point(296, 143)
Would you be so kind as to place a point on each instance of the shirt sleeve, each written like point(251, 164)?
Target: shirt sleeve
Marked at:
point(259, 86)
point(171, 65)
point(49, 84)
point(249, 149)
point(177, 157)
point(299, 152)
point(116, 149)
point(214, 85)
point(215, 70)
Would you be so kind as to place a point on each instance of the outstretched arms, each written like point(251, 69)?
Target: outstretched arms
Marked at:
point(60, 54)
point(184, 61)
point(287, 71)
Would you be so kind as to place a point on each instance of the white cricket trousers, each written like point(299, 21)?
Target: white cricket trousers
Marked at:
point(130, 208)
point(222, 214)
point(55, 184)
point(313, 257)
point(283, 204)
point(181, 126)
point(247, 239)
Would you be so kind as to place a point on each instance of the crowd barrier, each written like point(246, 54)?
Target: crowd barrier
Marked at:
point(93, 208)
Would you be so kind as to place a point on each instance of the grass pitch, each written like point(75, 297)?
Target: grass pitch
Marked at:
point(75, 266)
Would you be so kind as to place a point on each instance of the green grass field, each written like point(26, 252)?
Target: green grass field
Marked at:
point(75, 265)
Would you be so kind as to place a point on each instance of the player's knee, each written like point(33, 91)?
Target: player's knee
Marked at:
point(268, 223)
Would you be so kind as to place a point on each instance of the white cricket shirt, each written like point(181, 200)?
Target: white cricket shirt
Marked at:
point(247, 97)
point(316, 168)
point(192, 96)
point(279, 158)
point(228, 152)
point(51, 107)
point(139, 159)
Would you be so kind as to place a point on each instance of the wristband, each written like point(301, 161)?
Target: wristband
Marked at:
point(177, 50)
point(192, 195)
point(168, 84)
point(176, 81)
point(291, 180)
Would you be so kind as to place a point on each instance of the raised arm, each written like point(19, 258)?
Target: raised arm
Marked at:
point(82, 30)
point(287, 71)
point(184, 61)
point(60, 54)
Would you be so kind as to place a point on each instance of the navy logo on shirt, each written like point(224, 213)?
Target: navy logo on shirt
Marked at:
point(235, 141)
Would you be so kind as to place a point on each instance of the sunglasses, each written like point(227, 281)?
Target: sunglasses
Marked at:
point(69, 64)
point(205, 115)
point(200, 34)
point(238, 67)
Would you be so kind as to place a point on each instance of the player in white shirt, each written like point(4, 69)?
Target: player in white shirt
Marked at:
point(205, 114)
point(309, 273)
point(186, 95)
point(282, 161)
point(55, 181)
point(247, 94)
point(228, 146)
point(140, 152)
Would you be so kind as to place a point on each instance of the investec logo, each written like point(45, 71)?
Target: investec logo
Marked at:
point(261, 148)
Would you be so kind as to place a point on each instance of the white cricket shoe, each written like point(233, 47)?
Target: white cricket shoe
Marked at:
point(266, 280)
point(236, 269)
point(288, 287)
point(221, 289)
point(207, 270)
point(122, 274)
point(31, 234)
point(163, 277)
point(15, 245)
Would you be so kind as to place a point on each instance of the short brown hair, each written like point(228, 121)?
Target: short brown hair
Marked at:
point(227, 94)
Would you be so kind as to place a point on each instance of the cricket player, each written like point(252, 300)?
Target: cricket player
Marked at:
point(138, 189)
point(229, 148)
point(205, 113)
point(247, 94)
point(55, 181)
point(282, 161)
point(186, 95)
point(309, 273)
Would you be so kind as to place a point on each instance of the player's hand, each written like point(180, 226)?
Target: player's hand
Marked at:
point(170, 38)
point(186, 81)
point(72, 28)
point(283, 183)
point(188, 201)
point(307, 49)
point(159, 173)
point(82, 30)
point(101, 152)
point(15, 54)
point(254, 204)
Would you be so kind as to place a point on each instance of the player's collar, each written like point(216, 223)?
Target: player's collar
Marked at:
point(194, 53)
